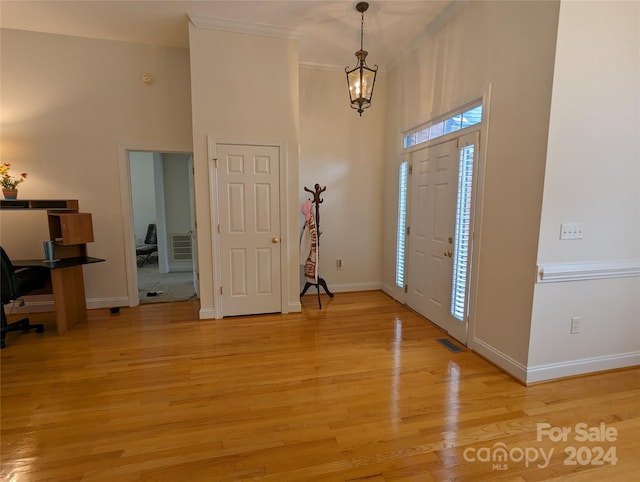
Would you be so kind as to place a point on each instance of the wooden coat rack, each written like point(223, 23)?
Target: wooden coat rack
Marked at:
point(321, 282)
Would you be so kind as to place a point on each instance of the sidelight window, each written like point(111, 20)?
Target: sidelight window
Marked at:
point(402, 222)
point(462, 238)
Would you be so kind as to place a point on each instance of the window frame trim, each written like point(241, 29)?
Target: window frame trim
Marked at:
point(478, 102)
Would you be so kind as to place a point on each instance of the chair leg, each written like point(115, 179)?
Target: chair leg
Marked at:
point(5, 328)
point(21, 325)
point(145, 259)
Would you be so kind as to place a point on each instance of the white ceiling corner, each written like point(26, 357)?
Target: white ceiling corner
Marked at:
point(241, 26)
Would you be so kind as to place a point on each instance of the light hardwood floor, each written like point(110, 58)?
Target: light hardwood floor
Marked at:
point(357, 391)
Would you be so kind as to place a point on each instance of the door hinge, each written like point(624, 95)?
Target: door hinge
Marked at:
point(221, 290)
point(215, 159)
point(219, 229)
point(406, 288)
point(410, 169)
point(408, 230)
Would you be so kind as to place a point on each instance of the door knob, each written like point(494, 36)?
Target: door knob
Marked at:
point(448, 254)
point(450, 240)
point(275, 240)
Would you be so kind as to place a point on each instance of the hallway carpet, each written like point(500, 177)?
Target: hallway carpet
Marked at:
point(176, 286)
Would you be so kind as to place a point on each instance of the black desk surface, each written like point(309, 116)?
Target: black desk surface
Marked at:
point(56, 264)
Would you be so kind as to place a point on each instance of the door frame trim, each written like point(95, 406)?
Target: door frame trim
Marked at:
point(477, 203)
point(212, 143)
point(126, 208)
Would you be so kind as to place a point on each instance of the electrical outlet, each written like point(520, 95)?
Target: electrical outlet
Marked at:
point(576, 323)
point(571, 230)
point(339, 263)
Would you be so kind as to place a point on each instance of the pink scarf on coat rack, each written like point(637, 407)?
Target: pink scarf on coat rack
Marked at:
point(309, 243)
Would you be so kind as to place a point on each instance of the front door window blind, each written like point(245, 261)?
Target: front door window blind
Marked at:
point(402, 222)
point(461, 252)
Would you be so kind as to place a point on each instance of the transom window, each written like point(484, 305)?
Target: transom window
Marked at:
point(433, 130)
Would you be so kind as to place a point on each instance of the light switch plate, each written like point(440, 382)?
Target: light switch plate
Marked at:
point(571, 230)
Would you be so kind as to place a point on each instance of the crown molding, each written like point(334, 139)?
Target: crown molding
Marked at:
point(230, 25)
point(317, 65)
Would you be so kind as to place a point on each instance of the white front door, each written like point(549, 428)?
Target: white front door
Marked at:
point(431, 230)
point(248, 187)
point(441, 211)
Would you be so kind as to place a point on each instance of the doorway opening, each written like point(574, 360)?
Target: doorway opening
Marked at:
point(163, 225)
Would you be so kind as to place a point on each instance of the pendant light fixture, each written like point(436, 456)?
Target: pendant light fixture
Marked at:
point(361, 78)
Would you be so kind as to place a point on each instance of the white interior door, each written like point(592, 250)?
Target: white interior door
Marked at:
point(248, 186)
point(431, 230)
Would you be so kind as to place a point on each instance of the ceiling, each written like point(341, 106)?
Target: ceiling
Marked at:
point(328, 31)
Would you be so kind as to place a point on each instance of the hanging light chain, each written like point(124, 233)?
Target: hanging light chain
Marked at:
point(362, 31)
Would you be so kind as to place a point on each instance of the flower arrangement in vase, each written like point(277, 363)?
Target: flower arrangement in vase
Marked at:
point(8, 182)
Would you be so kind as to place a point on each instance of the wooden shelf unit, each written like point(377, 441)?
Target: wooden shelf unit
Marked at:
point(71, 204)
point(70, 231)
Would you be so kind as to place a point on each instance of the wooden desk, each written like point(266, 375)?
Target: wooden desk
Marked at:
point(68, 287)
point(70, 230)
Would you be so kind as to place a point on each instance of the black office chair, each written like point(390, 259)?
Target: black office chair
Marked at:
point(15, 284)
point(150, 246)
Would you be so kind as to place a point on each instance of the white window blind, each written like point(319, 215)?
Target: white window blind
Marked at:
point(463, 233)
point(402, 222)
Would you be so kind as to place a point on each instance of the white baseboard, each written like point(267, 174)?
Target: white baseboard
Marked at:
point(580, 367)
point(206, 314)
point(338, 288)
point(505, 362)
point(118, 301)
point(294, 307)
point(38, 306)
point(552, 371)
point(387, 288)
point(48, 305)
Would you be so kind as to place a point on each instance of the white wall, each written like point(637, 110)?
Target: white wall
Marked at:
point(143, 193)
point(592, 177)
point(177, 203)
point(345, 153)
point(67, 103)
point(245, 87)
point(509, 45)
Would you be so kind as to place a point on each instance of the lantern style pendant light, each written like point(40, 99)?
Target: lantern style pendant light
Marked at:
point(361, 78)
